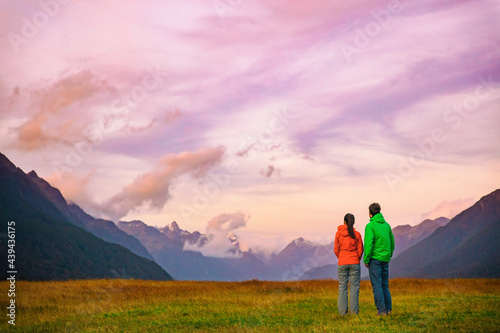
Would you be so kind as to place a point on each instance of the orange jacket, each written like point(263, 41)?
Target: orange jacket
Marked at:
point(348, 250)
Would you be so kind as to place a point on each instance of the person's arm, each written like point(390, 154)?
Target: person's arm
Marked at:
point(336, 245)
point(392, 242)
point(360, 246)
point(369, 237)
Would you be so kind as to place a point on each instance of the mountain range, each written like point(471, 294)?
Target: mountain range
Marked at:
point(468, 246)
point(166, 245)
point(104, 229)
point(51, 246)
point(61, 241)
point(404, 237)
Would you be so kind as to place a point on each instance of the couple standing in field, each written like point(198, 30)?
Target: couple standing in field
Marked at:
point(379, 246)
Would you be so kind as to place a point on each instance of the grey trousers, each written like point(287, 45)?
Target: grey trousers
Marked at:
point(349, 273)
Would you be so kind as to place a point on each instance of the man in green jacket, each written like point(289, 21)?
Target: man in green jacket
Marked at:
point(379, 246)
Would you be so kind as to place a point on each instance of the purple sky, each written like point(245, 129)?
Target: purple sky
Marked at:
point(286, 115)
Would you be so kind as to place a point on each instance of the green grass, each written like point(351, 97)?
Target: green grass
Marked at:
point(253, 306)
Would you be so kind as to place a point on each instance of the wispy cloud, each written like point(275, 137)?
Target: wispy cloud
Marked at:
point(271, 170)
point(219, 81)
point(449, 209)
point(75, 188)
point(227, 222)
point(153, 187)
point(51, 118)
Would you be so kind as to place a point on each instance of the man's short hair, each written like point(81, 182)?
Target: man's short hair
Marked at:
point(374, 208)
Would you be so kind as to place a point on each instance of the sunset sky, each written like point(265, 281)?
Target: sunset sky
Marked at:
point(270, 118)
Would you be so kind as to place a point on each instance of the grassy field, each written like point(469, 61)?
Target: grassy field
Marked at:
point(253, 306)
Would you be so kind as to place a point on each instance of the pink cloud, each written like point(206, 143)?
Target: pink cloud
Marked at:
point(271, 170)
point(73, 187)
point(449, 209)
point(227, 222)
point(153, 187)
point(53, 120)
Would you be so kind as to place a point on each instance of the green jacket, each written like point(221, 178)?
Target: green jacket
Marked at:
point(379, 240)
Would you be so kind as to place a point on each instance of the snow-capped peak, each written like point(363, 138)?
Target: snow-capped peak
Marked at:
point(301, 242)
point(233, 239)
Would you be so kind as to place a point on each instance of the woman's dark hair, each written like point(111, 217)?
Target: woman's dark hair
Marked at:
point(349, 220)
point(374, 208)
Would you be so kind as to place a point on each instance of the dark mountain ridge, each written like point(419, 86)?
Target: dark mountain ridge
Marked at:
point(468, 246)
point(104, 229)
point(49, 247)
point(405, 236)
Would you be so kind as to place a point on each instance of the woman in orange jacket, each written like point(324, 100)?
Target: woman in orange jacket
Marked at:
point(348, 247)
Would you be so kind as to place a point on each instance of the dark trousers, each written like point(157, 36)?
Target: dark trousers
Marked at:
point(379, 277)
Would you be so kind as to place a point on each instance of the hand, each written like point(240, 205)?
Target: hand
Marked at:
point(367, 266)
